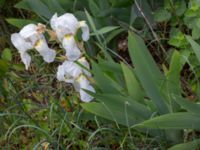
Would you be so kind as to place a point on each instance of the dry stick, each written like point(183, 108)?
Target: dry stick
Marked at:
point(148, 23)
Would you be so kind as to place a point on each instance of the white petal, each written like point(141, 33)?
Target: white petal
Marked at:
point(61, 73)
point(20, 43)
point(28, 31)
point(72, 51)
point(85, 97)
point(83, 83)
point(85, 63)
point(69, 22)
point(26, 59)
point(68, 71)
point(85, 30)
point(53, 21)
point(47, 53)
point(65, 24)
point(73, 54)
point(54, 25)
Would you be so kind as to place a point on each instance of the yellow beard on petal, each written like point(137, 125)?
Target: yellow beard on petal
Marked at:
point(81, 23)
point(38, 43)
point(78, 79)
point(68, 36)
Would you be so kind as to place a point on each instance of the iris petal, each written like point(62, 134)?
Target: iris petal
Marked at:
point(19, 43)
point(72, 51)
point(68, 71)
point(22, 46)
point(47, 53)
point(83, 84)
point(28, 31)
point(26, 59)
point(65, 24)
point(85, 30)
point(85, 63)
point(53, 21)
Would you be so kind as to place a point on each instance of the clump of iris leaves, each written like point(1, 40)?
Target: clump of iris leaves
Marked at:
point(147, 93)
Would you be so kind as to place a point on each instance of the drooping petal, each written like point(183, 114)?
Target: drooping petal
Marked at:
point(26, 59)
point(72, 51)
point(68, 72)
point(20, 43)
point(85, 30)
point(85, 63)
point(82, 84)
point(47, 53)
point(85, 97)
point(61, 73)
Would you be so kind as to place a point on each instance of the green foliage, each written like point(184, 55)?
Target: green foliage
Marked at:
point(162, 15)
point(6, 54)
point(192, 18)
point(19, 23)
point(185, 146)
point(181, 120)
point(177, 38)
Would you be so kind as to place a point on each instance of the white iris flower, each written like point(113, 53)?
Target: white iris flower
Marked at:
point(66, 27)
point(28, 38)
point(69, 71)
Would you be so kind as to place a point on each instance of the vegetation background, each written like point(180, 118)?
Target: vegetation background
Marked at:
point(145, 58)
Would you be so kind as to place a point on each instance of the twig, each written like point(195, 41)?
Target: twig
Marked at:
point(150, 27)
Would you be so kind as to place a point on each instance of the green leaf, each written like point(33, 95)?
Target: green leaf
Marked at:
point(112, 35)
point(110, 67)
point(190, 106)
point(4, 65)
point(94, 8)
point(195, 46)
point(146, 9)
point(93, 27)
point(6, 54)
point(173, 83)
point(121, 3)
point(54, 6)
point(177, 38)
point(101, 80)
point(118, 102)
point(105, 30)
point(2, 3)
point(147, 71)
point(19, 23)
point(195, 32)
point(36, 6)
point(180, 6)
point(193, 145)
point(182, 120)
point(162, 15)
point(173, 75)
point(118, 108)
point(101, 110)
point(133, 86)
